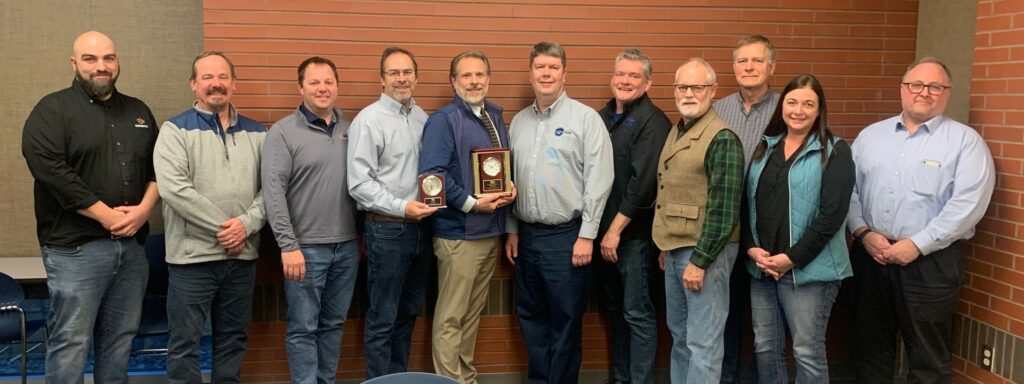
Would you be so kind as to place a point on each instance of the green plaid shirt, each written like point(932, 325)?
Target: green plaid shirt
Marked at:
point(724, 165)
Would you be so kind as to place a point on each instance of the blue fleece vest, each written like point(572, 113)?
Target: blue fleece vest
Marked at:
point(833, 262)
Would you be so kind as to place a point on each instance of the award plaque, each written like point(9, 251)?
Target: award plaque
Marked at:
point(432, 190)
point(491, 170)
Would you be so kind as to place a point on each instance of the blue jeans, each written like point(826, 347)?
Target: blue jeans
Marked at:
point(551, 296)
point(805, 309)
point(219, 289)
point(96, 294)
point(396, 282)
point(317, 309)
point(627, 290)
point(696, 319)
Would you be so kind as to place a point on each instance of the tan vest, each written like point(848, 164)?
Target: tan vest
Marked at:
point(679, 210)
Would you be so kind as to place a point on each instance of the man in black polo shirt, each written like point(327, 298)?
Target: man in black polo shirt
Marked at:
point(90, 150)
point(628, 255)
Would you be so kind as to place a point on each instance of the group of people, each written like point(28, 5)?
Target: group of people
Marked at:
point(756, 180)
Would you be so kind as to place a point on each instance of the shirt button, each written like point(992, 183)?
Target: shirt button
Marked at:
point(118, 143)
point(111, 125)
point(126, 183)
point(662, 186)
point(658, 206)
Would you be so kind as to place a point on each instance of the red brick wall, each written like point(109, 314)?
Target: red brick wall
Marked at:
point(994, 292)
point(857, 48)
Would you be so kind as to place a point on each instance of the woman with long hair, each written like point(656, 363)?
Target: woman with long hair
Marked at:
point(797, 195)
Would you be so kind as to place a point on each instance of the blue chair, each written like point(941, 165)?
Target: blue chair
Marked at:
point(13, 326)
point(154, 304)
point(412, 378)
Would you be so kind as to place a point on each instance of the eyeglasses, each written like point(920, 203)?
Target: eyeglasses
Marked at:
point(933, 89)
point(395, 74)
point(697, 89)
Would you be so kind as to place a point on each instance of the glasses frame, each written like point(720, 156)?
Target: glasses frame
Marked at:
point(682, 88)
point(930, 87)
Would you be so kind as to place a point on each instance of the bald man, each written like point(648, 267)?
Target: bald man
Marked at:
point(90, 150)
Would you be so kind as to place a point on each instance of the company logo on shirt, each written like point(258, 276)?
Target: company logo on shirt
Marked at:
point(559, 131)
point(630, 121)
point(140, 123)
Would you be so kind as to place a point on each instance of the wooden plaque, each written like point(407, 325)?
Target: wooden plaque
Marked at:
point(491, 170)
point(431, 187)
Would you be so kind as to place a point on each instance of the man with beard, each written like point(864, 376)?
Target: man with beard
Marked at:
point(207, 163)
point(90, 149)
point(628, 256)
point(696, 224)
point(467, 238)
point(313, 218)
point(383, 157)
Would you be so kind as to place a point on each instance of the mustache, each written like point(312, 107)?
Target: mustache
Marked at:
point(102, 72)
point(217, 90)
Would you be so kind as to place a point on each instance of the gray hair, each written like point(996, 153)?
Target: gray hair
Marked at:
point(711, 70)
point(634, 54)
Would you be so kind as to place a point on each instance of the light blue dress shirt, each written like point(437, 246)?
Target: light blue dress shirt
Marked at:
point(562, 160)
point(932, 186)
point(383, 156)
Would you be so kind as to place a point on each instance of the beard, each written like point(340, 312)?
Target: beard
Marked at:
point(97, 88)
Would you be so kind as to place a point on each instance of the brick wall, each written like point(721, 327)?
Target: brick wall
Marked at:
point(991, 308)
point(858, 48)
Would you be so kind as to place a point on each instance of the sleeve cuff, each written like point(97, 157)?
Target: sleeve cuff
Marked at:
point(588, 230)
point(701, 259)
point(398, 209)
point(924, 242)
point(468, 205)
point(852, 223)
point(511, 224)
point(626, 208)
point(250, 227)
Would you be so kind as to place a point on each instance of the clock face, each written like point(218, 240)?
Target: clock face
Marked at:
point(432, 185)
point(492, 166)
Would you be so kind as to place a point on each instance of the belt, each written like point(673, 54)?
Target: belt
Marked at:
point(388, 219)
point(555, 226)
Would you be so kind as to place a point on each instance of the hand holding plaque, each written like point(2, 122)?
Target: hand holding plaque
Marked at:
point(491, 170)
point(432, 190)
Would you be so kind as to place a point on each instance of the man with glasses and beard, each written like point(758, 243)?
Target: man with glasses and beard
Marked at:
point(207, 162)
point(90, 148)
point(383, 158)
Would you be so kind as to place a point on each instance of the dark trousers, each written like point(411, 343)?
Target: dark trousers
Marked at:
point(918, 300)
point(551, 296)
point(221, 290)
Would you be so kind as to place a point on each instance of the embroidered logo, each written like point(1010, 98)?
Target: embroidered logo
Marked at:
point(559, 131)
point(630, 121)
point(140, 123)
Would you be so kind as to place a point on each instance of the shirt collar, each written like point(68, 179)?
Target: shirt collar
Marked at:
point(929, 126)
point(232, 114)
point(317, 120)
point(552, 107)
point(625, 108)
point(393, 105)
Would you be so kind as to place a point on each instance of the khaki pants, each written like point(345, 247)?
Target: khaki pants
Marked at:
point(464, 269)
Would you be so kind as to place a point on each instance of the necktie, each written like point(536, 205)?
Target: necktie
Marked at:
point(489, 126)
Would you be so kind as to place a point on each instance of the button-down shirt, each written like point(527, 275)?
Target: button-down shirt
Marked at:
point(932, 186)
point(81, 150)
point(749, 126)
point(383, 156)
point(562, 159)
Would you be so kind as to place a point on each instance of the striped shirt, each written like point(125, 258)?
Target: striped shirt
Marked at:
point(749, 126)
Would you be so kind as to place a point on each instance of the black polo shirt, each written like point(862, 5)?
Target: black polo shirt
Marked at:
point(81, 150)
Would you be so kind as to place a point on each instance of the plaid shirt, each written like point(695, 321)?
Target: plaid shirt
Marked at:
point(724, 164)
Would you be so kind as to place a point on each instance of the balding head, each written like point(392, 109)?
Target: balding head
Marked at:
point(94, 60)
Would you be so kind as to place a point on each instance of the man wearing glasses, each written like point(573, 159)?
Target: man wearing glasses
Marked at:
point(923, 182)
point(696, 224)
point(383, 157)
